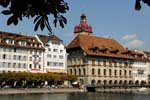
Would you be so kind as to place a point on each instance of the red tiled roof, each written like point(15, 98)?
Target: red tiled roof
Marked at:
point(99, 46)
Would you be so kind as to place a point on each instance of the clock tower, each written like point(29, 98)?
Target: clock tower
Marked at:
point(83, 27)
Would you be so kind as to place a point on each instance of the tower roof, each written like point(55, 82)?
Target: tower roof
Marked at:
point(83, 26)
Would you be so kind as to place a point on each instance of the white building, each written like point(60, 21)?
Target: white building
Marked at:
point(140, 72)
point(20, 53)
point(55, 56)
point(141, 67)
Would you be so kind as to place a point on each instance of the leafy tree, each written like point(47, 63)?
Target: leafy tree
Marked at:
point(138, 4)
point(37, 9)
point(71, 78)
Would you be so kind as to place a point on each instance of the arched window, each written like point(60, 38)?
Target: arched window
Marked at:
point(125, 73)
point(104, 72)
point(93, 71)
point(75, 72)
point(84, 73)
point(79, 71)
point(71, 71)
point(110, 72)
point(115, 73)
point(99, 71)
point(130, 73)
point(120, 72)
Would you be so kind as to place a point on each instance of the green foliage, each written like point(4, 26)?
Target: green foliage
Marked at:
point(71, 78)
point(37, 9)
point(34, 78)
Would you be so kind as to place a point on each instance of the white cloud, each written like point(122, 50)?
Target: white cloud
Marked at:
point(134, 44)
point(129, 37)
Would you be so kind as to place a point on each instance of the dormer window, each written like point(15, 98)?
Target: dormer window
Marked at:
point(35, 45)
point(9, 41)
point(22, 43)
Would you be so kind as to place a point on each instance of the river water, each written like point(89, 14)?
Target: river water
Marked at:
point(77, 96)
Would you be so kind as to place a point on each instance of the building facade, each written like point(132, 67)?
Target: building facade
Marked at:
point(55, 56)
point(20, 53)
point(98, 60)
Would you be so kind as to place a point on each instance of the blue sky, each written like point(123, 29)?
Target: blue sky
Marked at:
point(108, 18)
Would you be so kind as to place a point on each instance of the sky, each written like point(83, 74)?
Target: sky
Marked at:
point(109, 18)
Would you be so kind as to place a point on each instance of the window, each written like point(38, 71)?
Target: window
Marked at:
point(110, 63)
point(31, 52)
point(130, 73)
point(125, 72)
point(55, 64)
point(49, 55)
point(4, 64)
point(24, 65)
point(115, 73)
point(9, 65)
point(93, 62)
point(71, 71)
point(84, 73)
point(75, 72)
point(79, 71)
point(9, 41)
point(49, 63)
point(30, 58)
point(19, 57)
point(39, 66)
point(115, 64)
point(61, 57)
point(120, 72)
point(104, 63)
point(54, 56)
point(55, 50)
point(109, 72)
point(19, 65)
point(99, 63)
point(4, 56)
point(104, 72)
point(99, 71)
point(14, 65)
point(24, 57)
point(22, 43)
point(61, 64)
point(93, 71)
point(61, 51)
point(30, 66)
point(14, 57)
point(15, 49)
point(49, 49)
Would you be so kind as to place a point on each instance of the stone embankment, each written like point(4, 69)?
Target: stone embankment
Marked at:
point(39, 90)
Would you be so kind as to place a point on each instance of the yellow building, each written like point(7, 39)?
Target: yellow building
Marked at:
point(98, 60)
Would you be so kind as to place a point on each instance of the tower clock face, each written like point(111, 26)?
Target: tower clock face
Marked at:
point(84, 20)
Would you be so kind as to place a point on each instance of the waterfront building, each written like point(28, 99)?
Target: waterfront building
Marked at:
point(99, 60)
point(140, 67)
point(55, 56)
point(20, 53)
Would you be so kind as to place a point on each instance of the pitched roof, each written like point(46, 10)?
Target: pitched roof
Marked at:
point(99, 46)
point(31, 41)
point(46, 38)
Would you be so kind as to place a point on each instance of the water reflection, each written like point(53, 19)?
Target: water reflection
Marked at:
point(77, 96)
